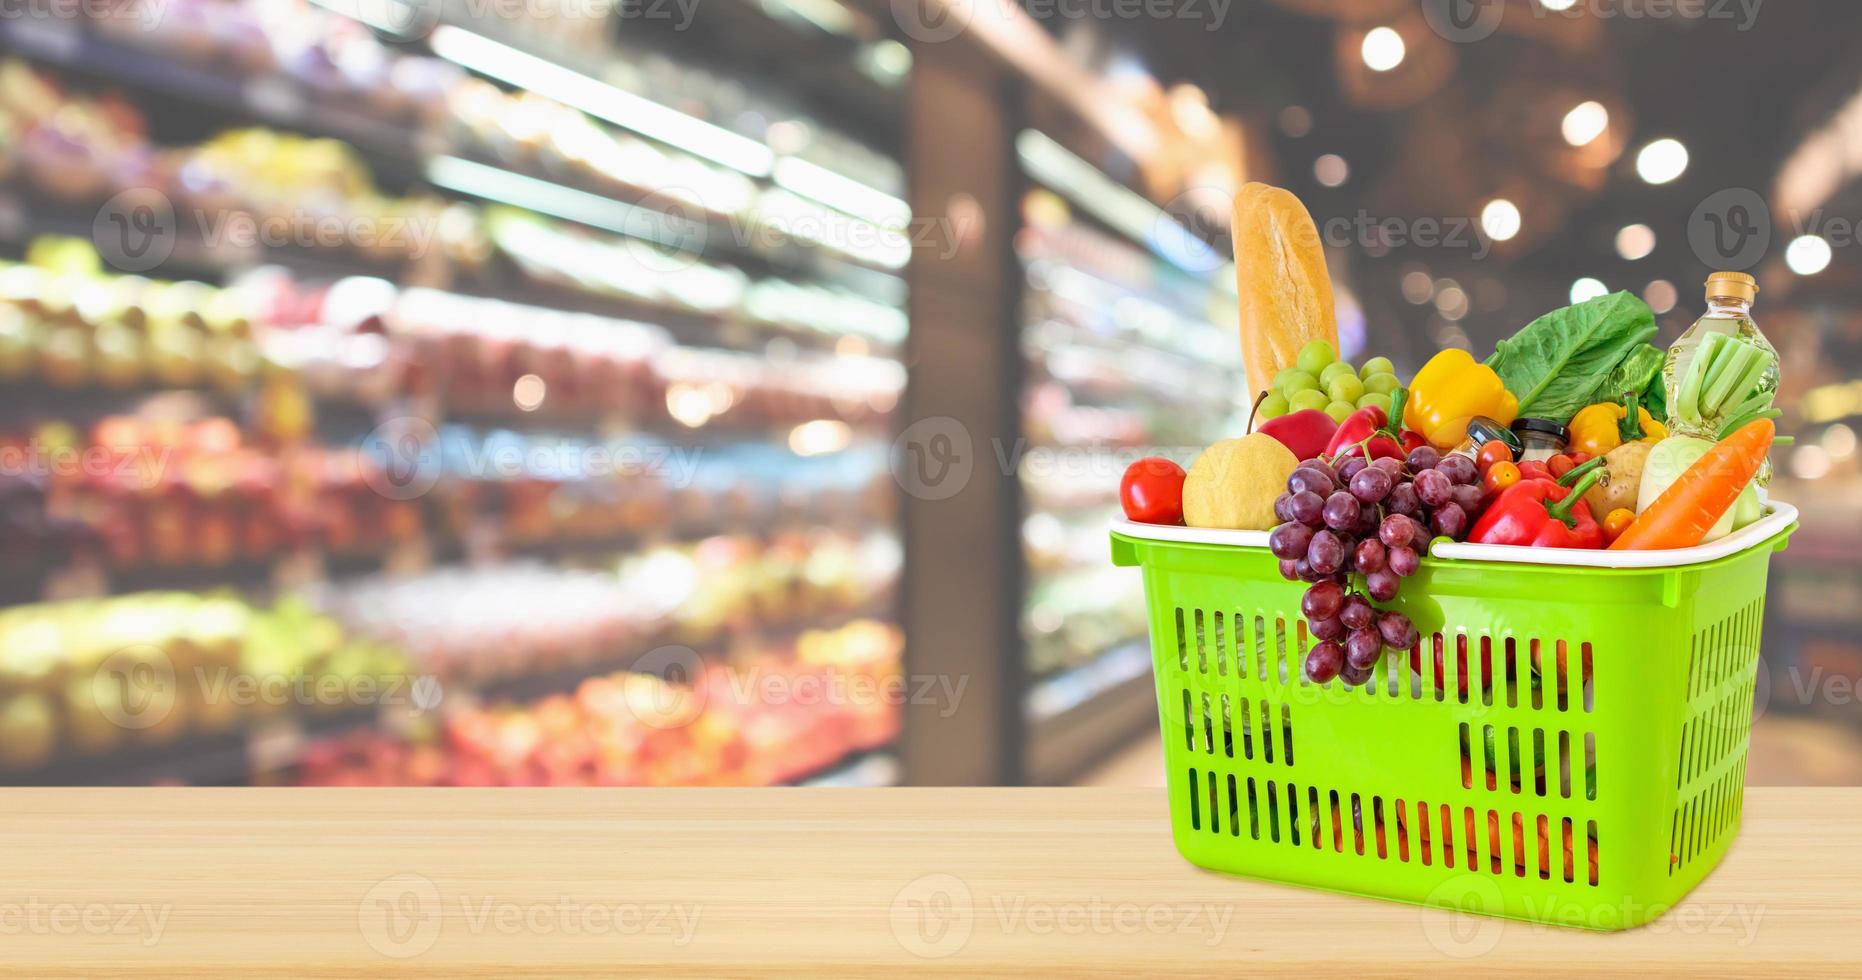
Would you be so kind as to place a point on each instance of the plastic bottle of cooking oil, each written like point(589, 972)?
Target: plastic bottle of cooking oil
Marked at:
point(1730, 296)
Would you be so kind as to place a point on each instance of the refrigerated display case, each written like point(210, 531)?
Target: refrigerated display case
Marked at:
point(1128, 346)
point(384, 409)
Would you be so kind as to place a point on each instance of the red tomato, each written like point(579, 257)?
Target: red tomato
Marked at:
point(1535, 470)
point(1152, 491)
point(1559, 465)
point(1493, 452)
point(1500, 476)
point(1579, 459)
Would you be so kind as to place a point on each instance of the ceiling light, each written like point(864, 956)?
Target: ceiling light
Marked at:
point(1808, 255)
point(1662, 161)
point(843, 194)
point(819, 436)
point(1810, 462)
point(1383, 49)
point(1418, 288)
point(597, 98)
point(1500, 220)
point(1558, 6)
point(1661, 295)
point(528, 393)
point(1587, 289)
point(1452, 303)
point(1331, 170)
point(1839, 441)
point(1635, 242)
point(1585, 122)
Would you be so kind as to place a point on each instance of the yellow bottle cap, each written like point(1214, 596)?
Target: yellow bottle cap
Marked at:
point(1732, 285)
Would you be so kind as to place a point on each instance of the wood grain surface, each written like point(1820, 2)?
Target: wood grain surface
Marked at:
point(804, 883)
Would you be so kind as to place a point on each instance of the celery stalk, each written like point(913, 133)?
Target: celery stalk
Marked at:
point(1754, 373)
point(1687, 398)
point(1756, 402)
point(1738, 422)
point(1715, 351)
point(1743, 359)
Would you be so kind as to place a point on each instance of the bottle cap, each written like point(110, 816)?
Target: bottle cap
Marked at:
point(1542, 427)
point(1732, 285)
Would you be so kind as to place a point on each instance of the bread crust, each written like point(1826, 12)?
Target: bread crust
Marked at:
point(1280, 274)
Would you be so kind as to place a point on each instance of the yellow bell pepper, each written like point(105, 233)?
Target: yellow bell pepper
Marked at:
point(1607, 425)
point(1449, 391)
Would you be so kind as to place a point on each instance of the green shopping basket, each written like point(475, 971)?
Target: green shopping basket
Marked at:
point(1566, 743)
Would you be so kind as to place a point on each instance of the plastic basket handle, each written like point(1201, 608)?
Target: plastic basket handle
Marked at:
point(1124, 552)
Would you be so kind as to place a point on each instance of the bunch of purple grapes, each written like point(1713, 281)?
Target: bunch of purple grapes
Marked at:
point(1348, 517)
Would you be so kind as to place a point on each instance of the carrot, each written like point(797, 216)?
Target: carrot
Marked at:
point(1686, 511)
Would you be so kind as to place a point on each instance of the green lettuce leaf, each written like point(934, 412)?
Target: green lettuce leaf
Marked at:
point(1655, 399)
point(1562, 361)
point(1635, 372)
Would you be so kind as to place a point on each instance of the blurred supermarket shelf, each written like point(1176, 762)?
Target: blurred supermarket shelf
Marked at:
point(863, 769)
point(1077, 718)
point(270, 98)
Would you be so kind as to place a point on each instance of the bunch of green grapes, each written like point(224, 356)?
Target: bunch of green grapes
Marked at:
point(1318, 379)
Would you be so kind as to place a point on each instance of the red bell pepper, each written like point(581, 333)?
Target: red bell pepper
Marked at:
point(1370, 433)
point(1542, 514)
point(1306, 433)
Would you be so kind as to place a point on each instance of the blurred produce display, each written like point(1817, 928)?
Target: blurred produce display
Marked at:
point(482, 623)
point(74, 676)
point(769, 717)
point(397, 365)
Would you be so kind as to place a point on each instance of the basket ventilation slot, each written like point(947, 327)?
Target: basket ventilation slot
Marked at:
point(1237, 727)
point(1711, 771)
point(1528, 761)
point(1498, 842)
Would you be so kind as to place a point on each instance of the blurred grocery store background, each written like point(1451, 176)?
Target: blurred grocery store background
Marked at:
point(666, 392)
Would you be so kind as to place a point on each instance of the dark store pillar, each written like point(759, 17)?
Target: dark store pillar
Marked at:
point(963, 551)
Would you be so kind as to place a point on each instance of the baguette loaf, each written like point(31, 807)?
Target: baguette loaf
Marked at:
point(1285, 291)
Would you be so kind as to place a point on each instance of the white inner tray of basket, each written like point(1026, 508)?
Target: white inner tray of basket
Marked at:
point(1778, 516)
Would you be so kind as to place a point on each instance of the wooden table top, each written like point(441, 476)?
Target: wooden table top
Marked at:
point(803, 882)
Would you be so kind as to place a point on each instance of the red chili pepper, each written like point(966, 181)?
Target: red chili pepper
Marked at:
point(1541, 514)
point(1371, 433)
